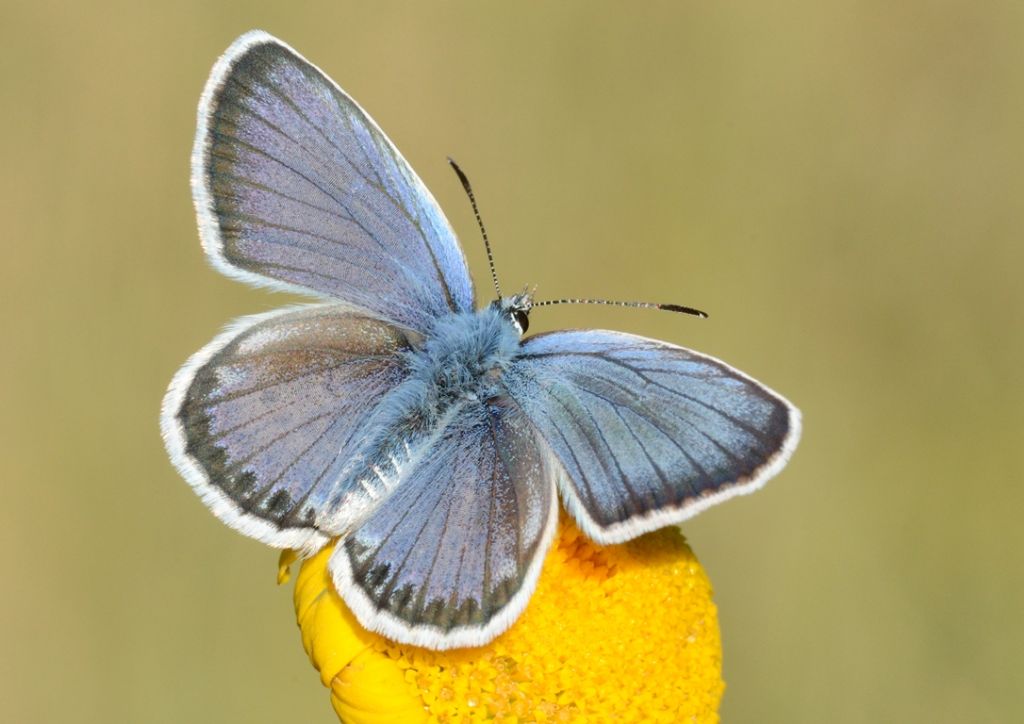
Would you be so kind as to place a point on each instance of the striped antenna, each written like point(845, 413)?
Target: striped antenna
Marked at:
point(479, 221)
point(639, 305)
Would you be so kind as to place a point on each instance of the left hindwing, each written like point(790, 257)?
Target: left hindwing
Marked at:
point(649, 434)
point(264, 419)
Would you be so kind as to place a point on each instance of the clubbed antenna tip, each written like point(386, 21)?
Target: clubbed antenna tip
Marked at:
point(636, 305)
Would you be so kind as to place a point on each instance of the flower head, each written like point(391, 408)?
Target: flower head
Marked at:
point(617, 633)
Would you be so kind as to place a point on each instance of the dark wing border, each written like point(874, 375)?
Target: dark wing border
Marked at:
point(175, 438)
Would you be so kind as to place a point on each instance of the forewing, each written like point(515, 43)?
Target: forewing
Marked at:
point(262, 420)
point(649, 434)
point(451, 558)
point(297, 188)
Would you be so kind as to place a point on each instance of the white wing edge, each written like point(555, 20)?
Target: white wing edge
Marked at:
point(306, 540)
point(202, 197)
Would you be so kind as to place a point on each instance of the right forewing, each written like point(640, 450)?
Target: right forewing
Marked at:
point(649, 433)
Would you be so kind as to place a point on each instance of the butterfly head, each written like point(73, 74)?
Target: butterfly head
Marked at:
point(516, 309)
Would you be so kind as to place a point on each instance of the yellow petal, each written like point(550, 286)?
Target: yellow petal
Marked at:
point(284, 566)
point(617, 633)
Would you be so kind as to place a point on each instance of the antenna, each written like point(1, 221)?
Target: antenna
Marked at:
point(479, 221)
point(639, 305)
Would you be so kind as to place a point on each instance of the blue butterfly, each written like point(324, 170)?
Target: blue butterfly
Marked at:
point(427, 435)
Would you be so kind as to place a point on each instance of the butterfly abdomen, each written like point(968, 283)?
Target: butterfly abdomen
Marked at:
point(460, 362)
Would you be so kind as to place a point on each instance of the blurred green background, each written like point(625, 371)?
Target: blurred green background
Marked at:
point(840, 184)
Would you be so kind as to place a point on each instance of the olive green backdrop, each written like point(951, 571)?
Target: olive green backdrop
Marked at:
point(839, 183)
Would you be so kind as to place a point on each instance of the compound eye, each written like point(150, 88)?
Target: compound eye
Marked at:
point(522, 319)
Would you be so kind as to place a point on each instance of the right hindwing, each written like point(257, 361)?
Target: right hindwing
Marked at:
point(453, 555)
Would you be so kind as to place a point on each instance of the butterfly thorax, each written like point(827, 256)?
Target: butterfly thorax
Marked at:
point(463, 356)
point(459, 364)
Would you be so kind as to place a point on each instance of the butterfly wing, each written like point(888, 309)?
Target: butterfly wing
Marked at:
point(649, 434)
point(297, 188)
point(453, 556)
point(262, 420)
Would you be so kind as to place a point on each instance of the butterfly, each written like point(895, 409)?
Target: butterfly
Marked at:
point(428, 436)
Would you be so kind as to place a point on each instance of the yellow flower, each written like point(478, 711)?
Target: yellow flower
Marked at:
point(617, 633)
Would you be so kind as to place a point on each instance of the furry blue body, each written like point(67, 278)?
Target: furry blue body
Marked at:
point(462, 360)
